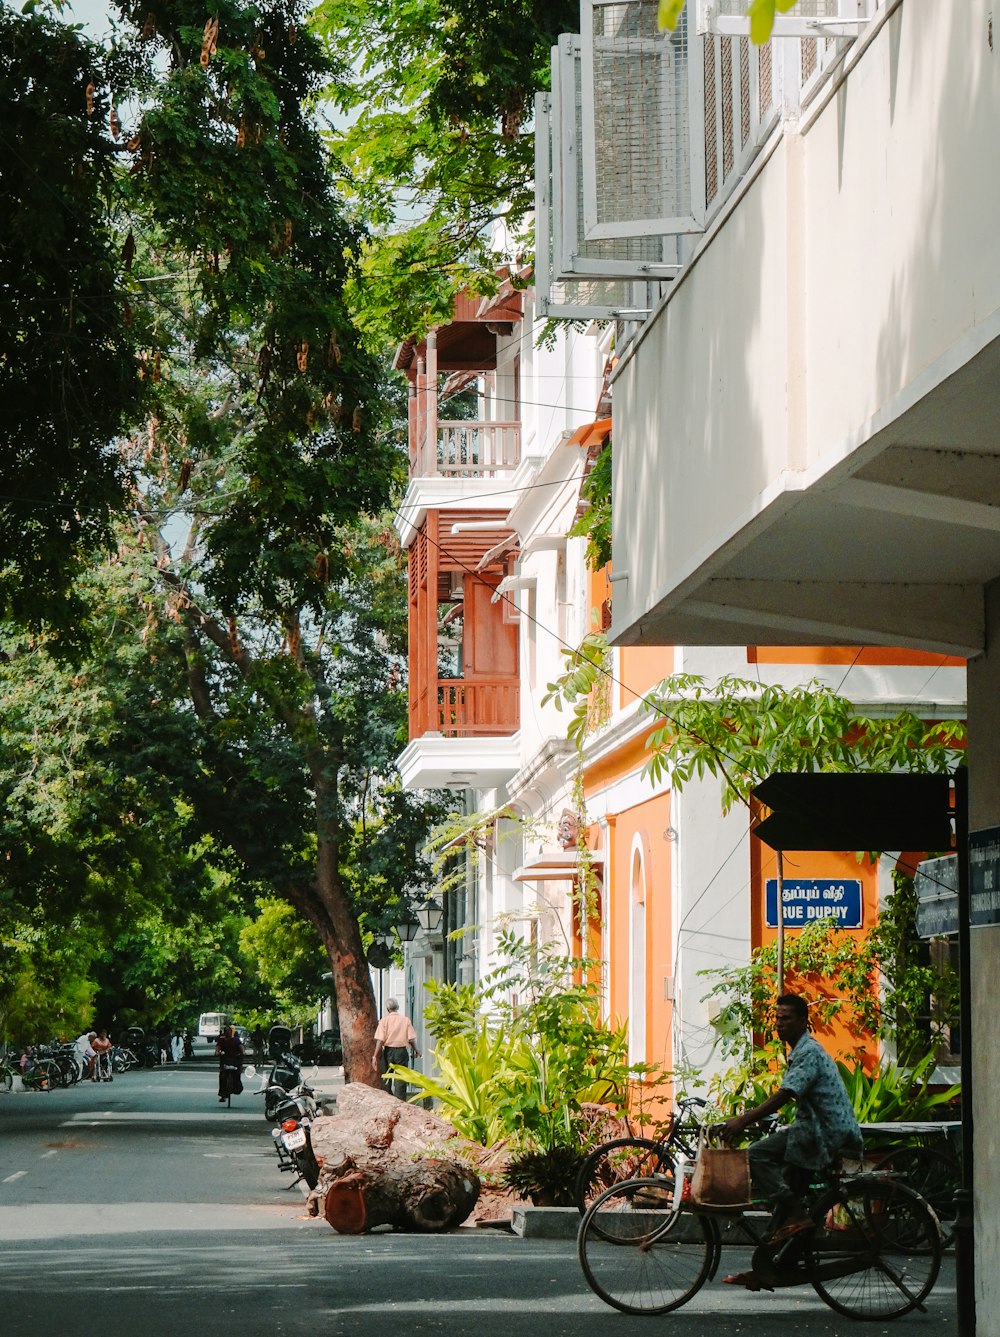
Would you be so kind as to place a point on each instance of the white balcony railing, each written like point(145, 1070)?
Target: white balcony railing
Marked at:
point(468, 449)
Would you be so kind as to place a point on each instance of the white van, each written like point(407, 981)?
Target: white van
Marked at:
point(210, 1024)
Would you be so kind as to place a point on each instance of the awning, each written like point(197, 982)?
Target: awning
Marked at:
point(557, 866)
point(501, 549)
point(591, 434)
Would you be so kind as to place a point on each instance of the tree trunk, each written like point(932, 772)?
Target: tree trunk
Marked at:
point(351, 977)
point(387, 1163)
point(421, 1196)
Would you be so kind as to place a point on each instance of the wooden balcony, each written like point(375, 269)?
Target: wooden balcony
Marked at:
point(465, 708)
point(484, 707)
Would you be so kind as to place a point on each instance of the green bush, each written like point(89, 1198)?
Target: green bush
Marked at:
point(520, 1071)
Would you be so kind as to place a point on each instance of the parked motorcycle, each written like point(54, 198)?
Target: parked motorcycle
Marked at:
point(285, 1076)
point(292, 1112)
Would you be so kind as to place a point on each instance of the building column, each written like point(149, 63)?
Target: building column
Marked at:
point(984, 811)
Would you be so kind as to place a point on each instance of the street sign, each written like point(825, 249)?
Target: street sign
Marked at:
point(984, 877)
point(831, 811)
point(936, 885)
point(807, 899)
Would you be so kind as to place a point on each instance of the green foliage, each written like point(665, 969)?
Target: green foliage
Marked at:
point(584, 686)
point(895, 1094)
point(69, 375)
point(288, 954)
point(521, 1053)
point(742, 730)
point(548, 1176)
point(436, 95)
point(263, 392)
point(595, 523)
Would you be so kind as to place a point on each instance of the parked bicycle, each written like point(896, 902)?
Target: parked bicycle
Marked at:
point(634, 1157)
point(873, 1250)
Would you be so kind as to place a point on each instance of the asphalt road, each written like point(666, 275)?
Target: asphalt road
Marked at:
point(143, 1208)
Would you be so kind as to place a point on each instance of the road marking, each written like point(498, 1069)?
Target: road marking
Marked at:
point(53, 1152)
point(18, 1174)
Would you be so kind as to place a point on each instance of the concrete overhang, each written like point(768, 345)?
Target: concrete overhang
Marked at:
point(434, 761)
point(444, 494)
point(889, 540)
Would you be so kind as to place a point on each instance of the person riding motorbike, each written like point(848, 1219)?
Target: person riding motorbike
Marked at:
point(229, 1051)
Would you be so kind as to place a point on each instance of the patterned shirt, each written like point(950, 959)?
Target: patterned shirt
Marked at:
point(824, 1123)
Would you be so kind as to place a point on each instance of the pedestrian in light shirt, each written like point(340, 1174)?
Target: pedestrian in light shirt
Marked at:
point(393, 1036)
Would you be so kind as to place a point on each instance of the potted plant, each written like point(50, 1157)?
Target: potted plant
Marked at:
point(546, 1177)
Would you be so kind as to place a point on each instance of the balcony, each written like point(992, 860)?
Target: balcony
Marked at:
point(485, 708)
point(457, 449)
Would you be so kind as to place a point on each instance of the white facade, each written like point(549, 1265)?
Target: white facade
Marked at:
point(806, 431)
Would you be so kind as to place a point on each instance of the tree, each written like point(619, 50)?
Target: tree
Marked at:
point(69, 369)
point(437, 148)
point(257, 607)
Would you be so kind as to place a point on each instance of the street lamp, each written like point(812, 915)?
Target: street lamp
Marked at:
point(409, 928)
point(430, 913)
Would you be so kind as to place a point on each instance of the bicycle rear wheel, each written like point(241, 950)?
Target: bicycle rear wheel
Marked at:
point(876, 1251)
point(934, 1174)
point(613, 1162)
point(638, 1254)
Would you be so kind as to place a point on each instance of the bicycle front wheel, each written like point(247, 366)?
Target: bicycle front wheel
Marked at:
point(876, 1251)
point(613, 1162)
point(638, 1254)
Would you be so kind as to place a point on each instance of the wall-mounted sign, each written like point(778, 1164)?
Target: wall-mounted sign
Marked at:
point(936, 885)
point(807, 899)
point(984, 876)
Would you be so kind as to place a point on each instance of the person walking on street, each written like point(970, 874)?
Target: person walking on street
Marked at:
point(393, 1035)
point(783, 1163)
point(84, 1046)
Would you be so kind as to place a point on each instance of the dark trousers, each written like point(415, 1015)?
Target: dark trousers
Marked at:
point(772, 1176)
point(396, 1054)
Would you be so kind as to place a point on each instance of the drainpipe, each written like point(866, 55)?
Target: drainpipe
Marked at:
point(432, 398)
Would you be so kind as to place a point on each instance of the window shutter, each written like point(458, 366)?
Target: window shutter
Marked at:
point(642, 122)
point(640, 257)
point(564, 295)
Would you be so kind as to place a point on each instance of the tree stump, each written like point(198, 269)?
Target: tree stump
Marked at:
point(384, 1162)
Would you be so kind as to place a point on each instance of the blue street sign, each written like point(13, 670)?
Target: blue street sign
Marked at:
point(807, 899)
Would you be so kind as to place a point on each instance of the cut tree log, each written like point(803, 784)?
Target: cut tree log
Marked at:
point(384, 1162)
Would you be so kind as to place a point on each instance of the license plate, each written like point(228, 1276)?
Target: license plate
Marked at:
point(294, 1140)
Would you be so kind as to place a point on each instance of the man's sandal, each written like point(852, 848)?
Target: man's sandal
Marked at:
point(748, 1279)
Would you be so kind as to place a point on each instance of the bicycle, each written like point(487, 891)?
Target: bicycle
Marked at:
point(873, 1250)
point(122, 1059)
point(921, 1154)
point(633, 1157)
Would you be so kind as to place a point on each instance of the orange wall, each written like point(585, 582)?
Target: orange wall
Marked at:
point(647, 821)
point(848, 654)
point(840, 1040)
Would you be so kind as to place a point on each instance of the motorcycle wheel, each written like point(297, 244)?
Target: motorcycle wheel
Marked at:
point(273, 1098)
point(307, 1166)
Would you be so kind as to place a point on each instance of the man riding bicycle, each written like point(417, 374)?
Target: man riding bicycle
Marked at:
point(783, 1163)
